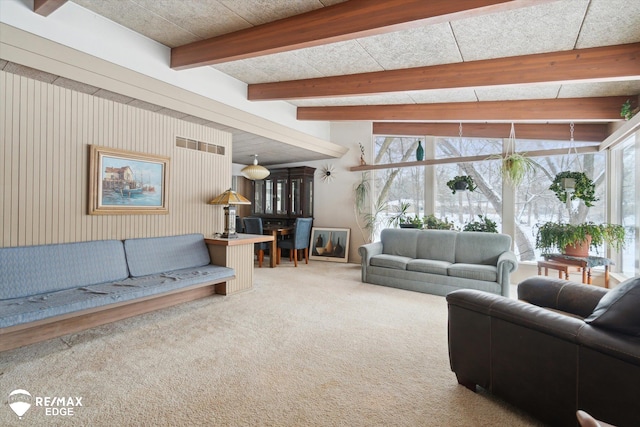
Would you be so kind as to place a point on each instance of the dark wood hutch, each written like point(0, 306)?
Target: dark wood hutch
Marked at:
point(284, 195)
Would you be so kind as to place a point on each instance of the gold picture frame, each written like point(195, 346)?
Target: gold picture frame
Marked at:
point(126, 182)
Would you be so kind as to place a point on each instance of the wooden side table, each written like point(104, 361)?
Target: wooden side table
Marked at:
point(585, 263)
point(237, 254)
point(554, 265)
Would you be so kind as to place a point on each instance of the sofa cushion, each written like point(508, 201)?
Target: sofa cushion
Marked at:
point(32, 270)
point(487, 273)
point(437, 245)
point(619, 309)
point(390, 261)
point(154, 255)
point(400, 242)
point(477, 247)
point(428, 266)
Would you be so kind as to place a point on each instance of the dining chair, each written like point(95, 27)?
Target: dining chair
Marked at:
point(299, 240)
point(254, 226)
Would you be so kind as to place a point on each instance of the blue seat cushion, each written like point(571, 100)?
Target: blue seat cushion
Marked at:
point(154, 255)
point(33, 270)
point(37, 307)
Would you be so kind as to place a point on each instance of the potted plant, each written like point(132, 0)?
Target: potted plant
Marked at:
point(514, 167)
point(411, 222)
point(583, 187)
point(432, 223)
point(627, 112)
point(576, 240)
point(461, 183)
point(483, 224)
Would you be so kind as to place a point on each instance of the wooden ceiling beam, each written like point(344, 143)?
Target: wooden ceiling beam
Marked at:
point(47, 7)
point(586, 132)
point(608, 63)
point(605, 109)
point(340, 22)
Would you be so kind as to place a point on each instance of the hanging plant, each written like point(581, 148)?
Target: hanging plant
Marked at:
point(584, 188)
point(514, 166)
point(461, 183)
point(627, 112)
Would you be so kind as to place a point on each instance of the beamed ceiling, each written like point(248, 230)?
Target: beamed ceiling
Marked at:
point(413, 67)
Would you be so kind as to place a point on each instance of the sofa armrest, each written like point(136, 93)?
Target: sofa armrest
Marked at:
point(366, 252)
point(507, 264)
point(558, 294)
point(517, 312)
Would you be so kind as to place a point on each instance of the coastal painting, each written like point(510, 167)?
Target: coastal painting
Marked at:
point(126, 182)
point(330, 244)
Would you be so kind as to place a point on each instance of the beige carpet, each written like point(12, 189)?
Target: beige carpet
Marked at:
point(308, 346)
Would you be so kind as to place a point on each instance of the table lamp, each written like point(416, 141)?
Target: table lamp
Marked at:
point(229, 199)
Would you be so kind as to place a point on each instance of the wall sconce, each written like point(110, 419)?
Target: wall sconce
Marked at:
point(229, 199)
point(255, 171)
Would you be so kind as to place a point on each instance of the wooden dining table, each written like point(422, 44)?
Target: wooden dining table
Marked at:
point(276, 231)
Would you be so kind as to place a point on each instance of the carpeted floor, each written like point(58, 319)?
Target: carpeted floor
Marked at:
point(308, 346)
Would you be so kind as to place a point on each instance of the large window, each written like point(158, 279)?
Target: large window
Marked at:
point(533, 202)
point(628, 205)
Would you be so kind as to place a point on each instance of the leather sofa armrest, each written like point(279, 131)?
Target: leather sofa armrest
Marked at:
point(517, 312)
point(563, 295)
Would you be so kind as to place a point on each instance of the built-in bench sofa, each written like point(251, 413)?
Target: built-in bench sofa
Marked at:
point(48, 291)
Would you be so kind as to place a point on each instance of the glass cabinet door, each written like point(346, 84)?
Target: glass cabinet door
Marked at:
point(281, 196)
point(258, 197)
point(296, 196)
point(268, 196)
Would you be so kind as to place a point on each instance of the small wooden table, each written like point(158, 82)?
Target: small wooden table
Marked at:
point(554, 265)
point(236, 253)
point(585, 263)
point(275, 231)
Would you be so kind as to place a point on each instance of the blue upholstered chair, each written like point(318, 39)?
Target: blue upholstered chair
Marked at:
point(300, 240)
point(254, 226)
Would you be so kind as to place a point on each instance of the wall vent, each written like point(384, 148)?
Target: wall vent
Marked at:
point(192, 144)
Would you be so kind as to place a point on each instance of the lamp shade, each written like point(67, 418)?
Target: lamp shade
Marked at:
point(229, 197)
point(255, 171)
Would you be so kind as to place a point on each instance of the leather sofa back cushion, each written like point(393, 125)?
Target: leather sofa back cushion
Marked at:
point(619, 309)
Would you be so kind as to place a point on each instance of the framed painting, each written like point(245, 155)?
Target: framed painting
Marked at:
point(330, 244)
point(126, 182)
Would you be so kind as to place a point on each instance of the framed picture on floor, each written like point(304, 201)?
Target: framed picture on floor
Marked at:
point(126, 182)
point(330, 244)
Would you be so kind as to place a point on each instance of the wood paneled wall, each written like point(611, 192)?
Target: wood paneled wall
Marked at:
point(45, 132)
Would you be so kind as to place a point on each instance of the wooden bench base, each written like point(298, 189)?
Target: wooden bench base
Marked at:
point(554, 265)
point(41, 330)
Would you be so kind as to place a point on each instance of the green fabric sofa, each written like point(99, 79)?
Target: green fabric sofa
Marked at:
point(439, 261)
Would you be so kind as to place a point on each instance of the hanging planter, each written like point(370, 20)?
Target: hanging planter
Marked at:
point(583, 187)
point(514, 167)
point(461, 183)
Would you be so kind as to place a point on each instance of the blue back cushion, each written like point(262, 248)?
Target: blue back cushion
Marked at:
point(154, 255)
point(32, 270)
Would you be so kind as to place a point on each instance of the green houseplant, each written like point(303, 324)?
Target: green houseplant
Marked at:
point(483, 224)
point(432, 223)
point(584, 188)
point(461, 183)
point(556, 237)
point(627, 112)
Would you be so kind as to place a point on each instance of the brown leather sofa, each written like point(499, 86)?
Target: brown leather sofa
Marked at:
point(560, 348)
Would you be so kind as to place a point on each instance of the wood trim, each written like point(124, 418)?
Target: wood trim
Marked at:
point(469, 159)
point(608, 63)
point(29, 333)
point(340, 22)
point(561, 132)
point(604, 109)
point(47, 7)
point(242, 239)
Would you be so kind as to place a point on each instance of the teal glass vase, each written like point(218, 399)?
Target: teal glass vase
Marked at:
point(419, 152)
